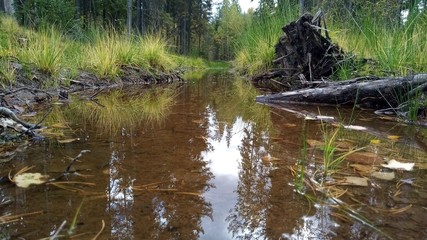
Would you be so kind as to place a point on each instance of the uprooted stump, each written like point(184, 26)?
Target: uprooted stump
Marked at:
point(302, 54)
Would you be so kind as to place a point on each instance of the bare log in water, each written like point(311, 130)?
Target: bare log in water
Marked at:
point(377, 94)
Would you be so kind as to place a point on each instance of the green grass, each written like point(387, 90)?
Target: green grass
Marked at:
point(256, 47)
point(100, 51)
point(397, 49)
point(103, 55)
point(7, 73)
point(45, 50)
point(153, 50)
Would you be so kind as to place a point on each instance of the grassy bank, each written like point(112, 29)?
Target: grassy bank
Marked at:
point(102, 52)
point(394, 50)
point(397, 50)
point(255, 49)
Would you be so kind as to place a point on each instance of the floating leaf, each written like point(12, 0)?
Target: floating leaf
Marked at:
point(383, 175)
point(24, 180)
point(355, 181)
point(393, 164)
point(70, 140)
point(375, 141)
point(393, 137)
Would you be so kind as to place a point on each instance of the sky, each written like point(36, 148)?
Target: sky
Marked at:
point(244, 4)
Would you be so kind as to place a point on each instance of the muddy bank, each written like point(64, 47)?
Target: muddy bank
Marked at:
point(34, 87)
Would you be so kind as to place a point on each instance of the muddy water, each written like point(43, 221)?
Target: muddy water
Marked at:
point(217, 167)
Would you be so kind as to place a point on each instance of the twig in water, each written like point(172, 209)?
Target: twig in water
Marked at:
point(67, 170)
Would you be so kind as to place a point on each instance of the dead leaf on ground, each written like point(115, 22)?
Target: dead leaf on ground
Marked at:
point(366, 158)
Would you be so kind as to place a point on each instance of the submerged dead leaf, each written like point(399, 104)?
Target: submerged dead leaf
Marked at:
point(24, 180)
point(269, 158)
point(364, 169)
point(393, 164)
point(59, 125)
point(393, 137)
point(366, 158)
point(421, 165)
point(345, 144)
point(315, 143)
point(354, 127)
point(383, 175)
point(70, 140)
point(354, 181)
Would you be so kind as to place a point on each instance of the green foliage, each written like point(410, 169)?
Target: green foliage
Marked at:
point(229, 24)
point(38, 13)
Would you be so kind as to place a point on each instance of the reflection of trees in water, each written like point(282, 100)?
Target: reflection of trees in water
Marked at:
point(168, 153)
point(248, 218)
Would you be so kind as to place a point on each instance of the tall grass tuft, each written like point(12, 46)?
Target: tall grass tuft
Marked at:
point(256, 46)
point(7, 73)
point(45, 50)
point(103, 55)
point(398, 49)
point(154, 52)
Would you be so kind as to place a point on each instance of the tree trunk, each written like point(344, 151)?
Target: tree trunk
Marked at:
point(140, 16)
point(129, 17)
point(301, 7)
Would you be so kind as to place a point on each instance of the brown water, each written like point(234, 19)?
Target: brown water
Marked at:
point(204, 172)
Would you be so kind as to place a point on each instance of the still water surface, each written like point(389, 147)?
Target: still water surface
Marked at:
point(217, 167)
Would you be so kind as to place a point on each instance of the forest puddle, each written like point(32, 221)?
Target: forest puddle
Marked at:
point(204, 161)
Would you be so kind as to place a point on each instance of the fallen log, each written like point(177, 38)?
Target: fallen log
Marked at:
point(374, 94)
